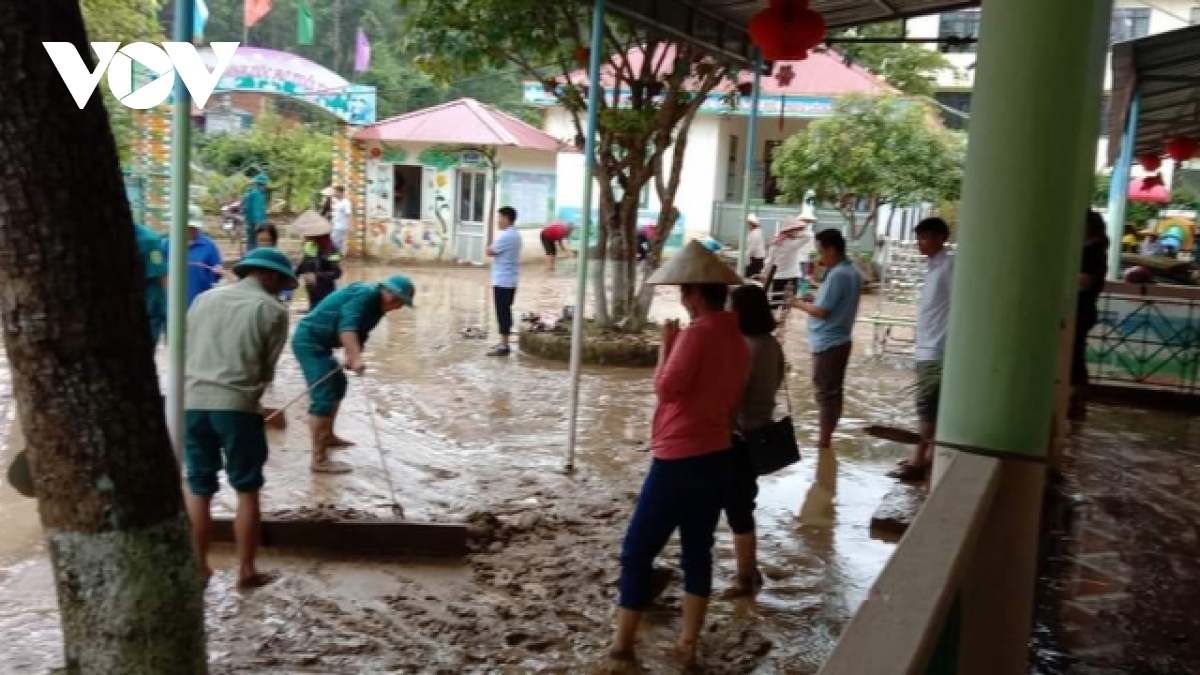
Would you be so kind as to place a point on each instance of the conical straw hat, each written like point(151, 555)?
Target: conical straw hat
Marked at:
point(310, 224)
point(695, 265)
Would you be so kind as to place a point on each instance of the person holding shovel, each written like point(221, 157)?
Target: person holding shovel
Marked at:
point(344, 320)
point(235, 336)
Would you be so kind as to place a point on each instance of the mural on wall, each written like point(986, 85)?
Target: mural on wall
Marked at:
point(439, 204)
point(380, 180)
point(407, 238)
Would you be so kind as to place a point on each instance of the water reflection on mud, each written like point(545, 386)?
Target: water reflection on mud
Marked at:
point(466, 434)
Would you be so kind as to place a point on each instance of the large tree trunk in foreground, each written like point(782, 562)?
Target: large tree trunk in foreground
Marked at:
point(83, 371)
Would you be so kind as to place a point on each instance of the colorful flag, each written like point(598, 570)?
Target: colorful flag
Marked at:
point(255, 10)
point(304, 24)
point(362, 52)
point(199, 18)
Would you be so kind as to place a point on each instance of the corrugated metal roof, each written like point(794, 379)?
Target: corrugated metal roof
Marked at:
point(720, 25)
point(462, 122)
point(1165, 70)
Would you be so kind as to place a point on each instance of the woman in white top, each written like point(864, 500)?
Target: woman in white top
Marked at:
point(786, 255)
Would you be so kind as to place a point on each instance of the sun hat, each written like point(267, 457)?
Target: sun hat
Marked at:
point(328, 192)
point(266, 258)
point(195, 217)
point(695, 264)
point(793, 224)
point(401, 287)
point(310, 224)
point(262, 179)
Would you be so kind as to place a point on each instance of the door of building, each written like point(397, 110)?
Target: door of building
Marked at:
point(471, 239)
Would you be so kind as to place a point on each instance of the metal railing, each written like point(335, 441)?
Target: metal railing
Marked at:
point(1147, 337)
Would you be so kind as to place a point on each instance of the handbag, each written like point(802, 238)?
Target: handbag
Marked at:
point(774, 446)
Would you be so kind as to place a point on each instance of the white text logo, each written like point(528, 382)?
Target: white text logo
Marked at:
point(179, 57)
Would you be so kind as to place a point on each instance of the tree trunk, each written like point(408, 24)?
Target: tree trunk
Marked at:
point(83, 371)
point(623, 258)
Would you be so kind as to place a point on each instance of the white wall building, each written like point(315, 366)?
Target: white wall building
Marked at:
point(1131, 19)
point(710, 192)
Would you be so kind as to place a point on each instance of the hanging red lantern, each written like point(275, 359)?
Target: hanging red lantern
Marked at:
point(377, 152)
point(787, 30)
point(1152, 181)
point(745, 88)
point(583, 56)
point(1182, 148)
point(1149, 161)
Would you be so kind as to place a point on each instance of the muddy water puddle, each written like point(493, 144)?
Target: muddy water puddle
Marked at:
point(465, 435)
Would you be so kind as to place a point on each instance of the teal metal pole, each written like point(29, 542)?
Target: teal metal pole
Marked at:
point(1118, 190)
point(585, 227)
point(181, 149)
point(751, 156)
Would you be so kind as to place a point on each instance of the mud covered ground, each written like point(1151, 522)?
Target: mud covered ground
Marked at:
point(467, 437)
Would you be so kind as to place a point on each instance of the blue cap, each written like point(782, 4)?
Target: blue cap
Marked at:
point(401, 287)
point(266, 258)
point(262, 179)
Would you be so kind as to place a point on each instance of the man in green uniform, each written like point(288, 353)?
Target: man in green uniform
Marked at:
point(235, 336)
point(154, 266)
point(254, 209)
point(342, 320)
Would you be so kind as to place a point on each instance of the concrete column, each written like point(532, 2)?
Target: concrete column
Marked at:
point(751, 157)
point(1032, 123)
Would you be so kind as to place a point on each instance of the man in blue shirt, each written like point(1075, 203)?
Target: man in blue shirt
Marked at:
point(505, 270)
point(204, 258)
point(830, 324)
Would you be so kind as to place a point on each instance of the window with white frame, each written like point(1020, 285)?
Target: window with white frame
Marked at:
point(961, 24)
point(1129, 23)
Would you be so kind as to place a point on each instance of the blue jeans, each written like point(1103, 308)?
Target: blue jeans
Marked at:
point(678, 493)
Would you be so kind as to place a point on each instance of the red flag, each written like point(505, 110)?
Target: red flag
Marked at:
point(256, 10)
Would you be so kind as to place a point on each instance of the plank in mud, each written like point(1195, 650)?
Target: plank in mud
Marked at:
point(357, 537)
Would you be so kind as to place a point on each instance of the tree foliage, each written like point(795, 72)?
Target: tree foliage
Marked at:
point(641, 140)
point(873, 152)
point(401, 87)
point(910, 68)
point(297, 157)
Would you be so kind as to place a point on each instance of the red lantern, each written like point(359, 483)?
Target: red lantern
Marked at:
point(377, 152)
point(745, 88)
point(786, 30)
point(1153, 181)
point(583, 56)
point(785, 75)
point(1182, 148)
point(1150, 161)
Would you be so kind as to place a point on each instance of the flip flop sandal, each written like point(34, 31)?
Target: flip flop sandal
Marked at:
point(332, 467)
point(257, 581)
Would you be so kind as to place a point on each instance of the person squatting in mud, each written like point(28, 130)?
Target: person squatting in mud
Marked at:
point(343, 320)
point(699, 383)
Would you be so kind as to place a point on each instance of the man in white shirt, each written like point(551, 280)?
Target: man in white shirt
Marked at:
point(756, 248)
point(933, 319)
point(340, 217)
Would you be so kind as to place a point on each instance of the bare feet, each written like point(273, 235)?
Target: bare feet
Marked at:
point(685, 654)
point(331, 467)
point(253, 580)
point(744, 587)
point(339, 442)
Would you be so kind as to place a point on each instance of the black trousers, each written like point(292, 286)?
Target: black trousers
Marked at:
point(504, 301)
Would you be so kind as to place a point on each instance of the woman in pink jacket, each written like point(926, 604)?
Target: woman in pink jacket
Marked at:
point(699, 382)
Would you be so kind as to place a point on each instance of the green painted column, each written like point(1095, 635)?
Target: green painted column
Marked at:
point(1023, 202)
point(751, 157)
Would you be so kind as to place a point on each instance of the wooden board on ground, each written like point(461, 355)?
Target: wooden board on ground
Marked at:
point(898, 509)
point(357, 537)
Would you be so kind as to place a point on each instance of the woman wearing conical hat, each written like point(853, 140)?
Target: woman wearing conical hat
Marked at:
point(699, 382)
